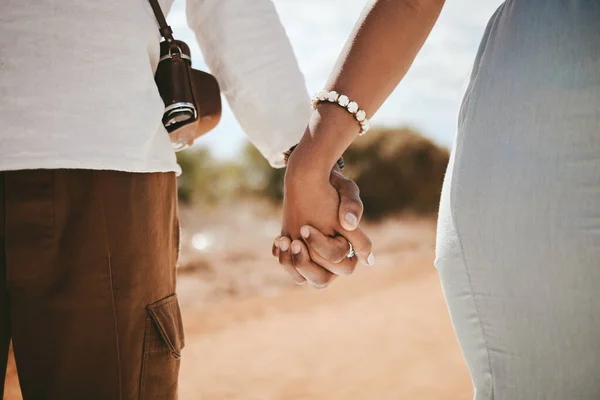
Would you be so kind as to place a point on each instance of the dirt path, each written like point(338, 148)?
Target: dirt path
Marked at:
point(382, 334)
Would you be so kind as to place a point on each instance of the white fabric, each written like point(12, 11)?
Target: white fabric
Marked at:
point(77, 81)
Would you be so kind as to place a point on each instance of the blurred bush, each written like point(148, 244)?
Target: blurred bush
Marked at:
point(396, 170)
point(262, 180)
point(205, 180)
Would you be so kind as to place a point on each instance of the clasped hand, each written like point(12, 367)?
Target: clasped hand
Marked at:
point(320, 218)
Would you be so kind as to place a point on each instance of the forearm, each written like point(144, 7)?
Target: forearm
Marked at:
point(378, 54)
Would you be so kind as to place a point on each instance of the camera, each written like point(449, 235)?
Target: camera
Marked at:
point(192, 97)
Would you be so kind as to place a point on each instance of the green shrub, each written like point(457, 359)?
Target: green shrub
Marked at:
point(397, 170)
point(262, 180)
point(205, 180)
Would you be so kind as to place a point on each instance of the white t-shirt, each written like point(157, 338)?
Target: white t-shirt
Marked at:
point(77, 81)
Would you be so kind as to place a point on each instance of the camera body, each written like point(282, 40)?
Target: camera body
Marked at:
point(192, 98)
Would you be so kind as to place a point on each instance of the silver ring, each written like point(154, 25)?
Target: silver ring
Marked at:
point(351, 251)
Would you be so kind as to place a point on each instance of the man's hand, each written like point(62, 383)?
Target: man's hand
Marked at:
point(326, 256)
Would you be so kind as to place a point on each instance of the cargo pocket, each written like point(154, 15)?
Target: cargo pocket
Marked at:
point(163, 341)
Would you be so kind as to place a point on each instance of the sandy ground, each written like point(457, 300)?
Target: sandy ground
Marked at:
point(383, 333)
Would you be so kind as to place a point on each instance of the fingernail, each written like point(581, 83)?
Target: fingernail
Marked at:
point(284, 246)
point(296, 248)
point(276, 243)
point(351, 219)
point(305, 232)
point(300, 283)
point(371, 259)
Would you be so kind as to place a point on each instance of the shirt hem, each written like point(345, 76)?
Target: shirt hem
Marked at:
point(129, 166)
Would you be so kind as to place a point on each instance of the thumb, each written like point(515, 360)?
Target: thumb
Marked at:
point(351, 207)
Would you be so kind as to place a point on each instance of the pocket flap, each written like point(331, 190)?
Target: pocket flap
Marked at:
point(167, 316)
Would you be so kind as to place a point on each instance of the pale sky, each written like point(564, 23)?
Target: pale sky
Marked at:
point(429, 96)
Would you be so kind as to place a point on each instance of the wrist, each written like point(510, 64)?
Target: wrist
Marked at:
point(329, 133)
point(342, 102)
point(305, 165)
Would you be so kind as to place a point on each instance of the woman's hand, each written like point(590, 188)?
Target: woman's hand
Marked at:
point(312, 211)
point(309, 200)
point(294, 256)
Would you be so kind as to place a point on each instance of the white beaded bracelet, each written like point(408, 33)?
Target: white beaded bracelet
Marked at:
point(343, 101)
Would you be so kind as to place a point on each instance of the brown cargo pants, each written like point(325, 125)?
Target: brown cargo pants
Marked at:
point(87, 283)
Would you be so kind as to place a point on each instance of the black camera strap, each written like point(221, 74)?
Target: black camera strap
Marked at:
point(165, 30)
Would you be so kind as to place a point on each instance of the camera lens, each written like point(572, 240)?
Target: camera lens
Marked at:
point(178, 114)
point(175, 117)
